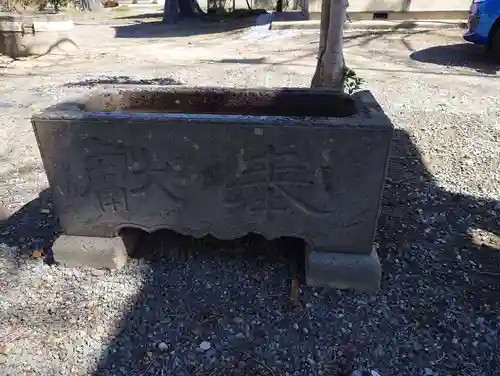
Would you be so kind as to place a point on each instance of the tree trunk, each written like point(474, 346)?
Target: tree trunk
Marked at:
point(91, 5)
point(305, 8)
point(330, 66)
point(171, 12)
point(212, 6)
point(279, 6)
point(176, 10)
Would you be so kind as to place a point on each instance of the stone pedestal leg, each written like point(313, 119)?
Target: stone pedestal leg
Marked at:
point(361, 272)
point(87, 251)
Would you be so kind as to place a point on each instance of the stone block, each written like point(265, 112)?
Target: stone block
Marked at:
point(38, 33)
point(96, 252)
point(306, 163)
point(344, 270)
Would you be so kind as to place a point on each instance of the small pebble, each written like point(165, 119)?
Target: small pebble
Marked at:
point(365, 373)
point(163, 346)
point(358, 373)
point(5, 348)
point(205, 345)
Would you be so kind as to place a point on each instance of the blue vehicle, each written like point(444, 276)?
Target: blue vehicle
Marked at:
point(484, 25)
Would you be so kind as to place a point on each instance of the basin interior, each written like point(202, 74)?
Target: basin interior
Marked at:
point(267, 102)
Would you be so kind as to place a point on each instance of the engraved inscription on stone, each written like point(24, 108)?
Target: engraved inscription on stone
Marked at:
point(145, 174)
point(116, 172)
point(114, 199)
point(107, 175)
point(69, 185)
point(276, 182)
point(215, 173)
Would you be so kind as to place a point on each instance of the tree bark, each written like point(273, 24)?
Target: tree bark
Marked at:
point(171, 12)
point(279, 6)
point(305, 8)
point(329, 71)
point(91, 5)
point(177, 10)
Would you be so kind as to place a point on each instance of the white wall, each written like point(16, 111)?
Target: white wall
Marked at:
point(370, 5)
point(408, 5)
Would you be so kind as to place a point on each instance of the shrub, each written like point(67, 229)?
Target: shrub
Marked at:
point(58, 4)
point(17, 5)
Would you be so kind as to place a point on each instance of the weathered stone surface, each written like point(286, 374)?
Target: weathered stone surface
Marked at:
point(77, 251)
point(294, 162)
point(34, 34)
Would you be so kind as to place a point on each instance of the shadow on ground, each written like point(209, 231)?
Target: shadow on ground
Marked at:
point(259, 60)
point(262, 60)
point(436, 280)
point(33, 227)
point(351, 40)
point(141, 16)
point(364, 38)
point(465, 55)
point(188, 27)
point(122, 80)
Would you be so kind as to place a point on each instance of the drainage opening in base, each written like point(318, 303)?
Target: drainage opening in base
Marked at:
point(381, 16)
point(169, 245)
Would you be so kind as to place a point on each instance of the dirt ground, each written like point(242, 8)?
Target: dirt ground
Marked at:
point(224, 310)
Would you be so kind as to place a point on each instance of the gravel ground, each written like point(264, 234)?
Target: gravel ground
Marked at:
point(186, 307)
